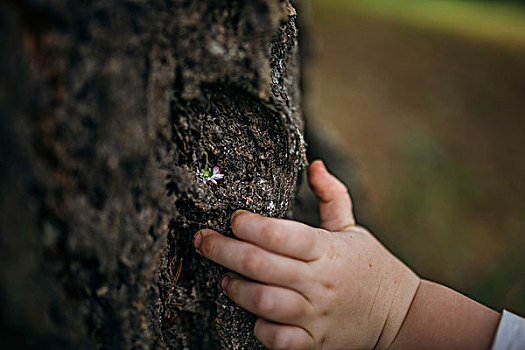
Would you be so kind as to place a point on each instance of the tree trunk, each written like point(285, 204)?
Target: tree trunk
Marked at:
point(107, 108)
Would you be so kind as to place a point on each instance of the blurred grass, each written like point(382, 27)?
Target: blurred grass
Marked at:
point(430, 98)
point(500, 22)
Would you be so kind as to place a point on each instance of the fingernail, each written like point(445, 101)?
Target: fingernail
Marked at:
point(235, 213)
point(317, 163)
point(197, 240)
point(224, 282)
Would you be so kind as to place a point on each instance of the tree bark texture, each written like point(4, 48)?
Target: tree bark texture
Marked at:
point(107, 107)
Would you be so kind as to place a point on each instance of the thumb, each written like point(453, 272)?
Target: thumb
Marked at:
point(335, 204)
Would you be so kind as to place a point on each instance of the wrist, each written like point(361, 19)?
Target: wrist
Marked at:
point(440, 318)
point(406, 287)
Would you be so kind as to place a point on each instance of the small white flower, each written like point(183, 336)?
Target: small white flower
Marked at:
point(209, 175)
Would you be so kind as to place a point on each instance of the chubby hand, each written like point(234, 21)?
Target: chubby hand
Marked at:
point(333, 287)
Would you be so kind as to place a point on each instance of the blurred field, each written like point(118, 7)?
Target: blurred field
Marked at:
point(430, 98)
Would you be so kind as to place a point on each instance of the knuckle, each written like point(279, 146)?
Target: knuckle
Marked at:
point(332, 251)
point(281, 339)
point(296, 310)
point(317, 241)
point(347, 195)
point(272, 235)
point(314, 239)
point(253, 262)
point(265, 303)
point(341, 187)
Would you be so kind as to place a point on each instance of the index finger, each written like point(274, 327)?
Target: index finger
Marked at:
point(285, 237)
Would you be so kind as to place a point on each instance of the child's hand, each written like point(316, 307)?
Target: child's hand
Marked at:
point(330, 287)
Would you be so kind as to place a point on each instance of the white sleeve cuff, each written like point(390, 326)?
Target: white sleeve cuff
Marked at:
point(511, 333)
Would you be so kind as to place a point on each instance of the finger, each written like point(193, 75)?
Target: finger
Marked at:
point(270, 302)
point(284, 237)
point(251, 261)
point(280, 336)
point(335, 203)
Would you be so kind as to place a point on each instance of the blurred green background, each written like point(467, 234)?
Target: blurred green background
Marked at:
point(429, 97)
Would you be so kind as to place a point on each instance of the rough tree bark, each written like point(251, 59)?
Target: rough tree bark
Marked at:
point(106, 109)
